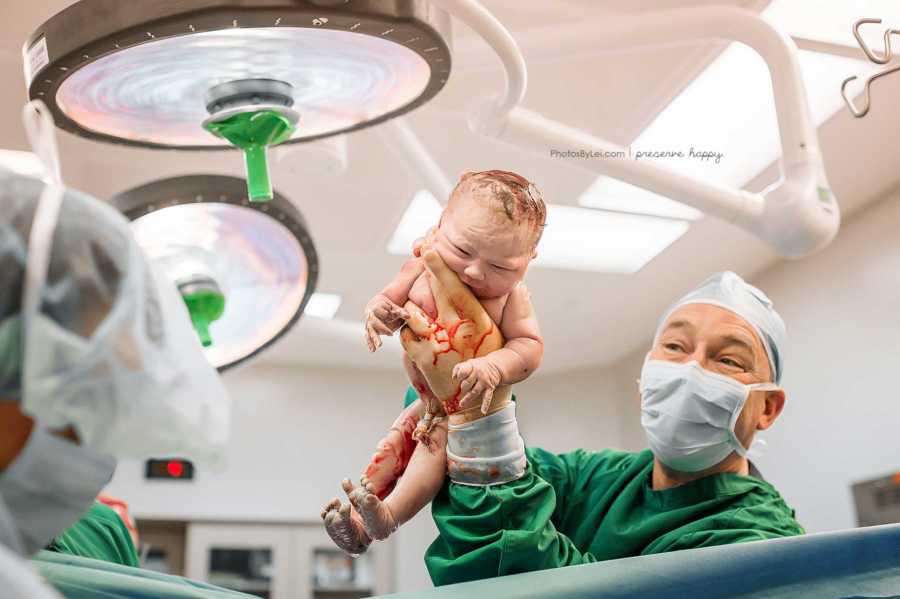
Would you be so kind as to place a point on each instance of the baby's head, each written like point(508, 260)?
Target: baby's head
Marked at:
point(489, 231)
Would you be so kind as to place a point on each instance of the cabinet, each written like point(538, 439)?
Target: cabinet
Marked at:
point(284, 561)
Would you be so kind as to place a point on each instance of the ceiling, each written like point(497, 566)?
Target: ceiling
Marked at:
point(587, 318)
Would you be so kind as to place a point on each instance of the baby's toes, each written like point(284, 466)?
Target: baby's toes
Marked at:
point(331, 506)
point(356, 496)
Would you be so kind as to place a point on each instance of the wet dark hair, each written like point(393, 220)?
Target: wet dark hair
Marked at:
point(516, 196)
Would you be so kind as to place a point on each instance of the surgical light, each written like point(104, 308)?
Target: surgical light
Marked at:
point(245, 270)
point(196, 74)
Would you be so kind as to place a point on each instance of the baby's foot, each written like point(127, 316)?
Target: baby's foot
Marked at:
point(376, 515)
point(345, 528)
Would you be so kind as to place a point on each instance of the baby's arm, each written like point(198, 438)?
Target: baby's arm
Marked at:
point(514, 362)
point(384, 312)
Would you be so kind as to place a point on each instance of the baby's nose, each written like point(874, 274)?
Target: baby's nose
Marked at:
point(473, 271)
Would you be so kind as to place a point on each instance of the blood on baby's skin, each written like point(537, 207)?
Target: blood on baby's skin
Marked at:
point(483, 337)
point(452, 405)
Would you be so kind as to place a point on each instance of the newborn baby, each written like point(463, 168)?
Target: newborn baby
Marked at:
point(460, 362)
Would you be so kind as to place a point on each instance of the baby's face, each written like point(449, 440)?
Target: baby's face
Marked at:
point(488, 252)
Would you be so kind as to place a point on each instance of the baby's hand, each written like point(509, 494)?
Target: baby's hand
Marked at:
point(383, 317)
point(478, 378)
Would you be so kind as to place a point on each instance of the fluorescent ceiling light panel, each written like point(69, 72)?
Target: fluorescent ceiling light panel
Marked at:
point(832, 20)
point(24, 163)
point(602, 241)
point(616, 195)
point(729, 108)
point(322, 305)
point(574, 239)
point(422, 213)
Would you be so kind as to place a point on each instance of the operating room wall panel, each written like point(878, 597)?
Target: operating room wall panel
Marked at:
point(842, 309)
point(295, 433)
point(581, 408)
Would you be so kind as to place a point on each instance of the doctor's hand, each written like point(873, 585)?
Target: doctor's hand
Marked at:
point(462, 330)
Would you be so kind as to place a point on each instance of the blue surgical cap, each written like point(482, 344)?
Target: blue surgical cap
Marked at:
point(729, 291)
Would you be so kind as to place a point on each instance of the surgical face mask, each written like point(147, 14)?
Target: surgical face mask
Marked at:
point(689, 413)
point(49, 486)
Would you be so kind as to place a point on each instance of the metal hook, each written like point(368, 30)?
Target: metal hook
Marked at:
point(868, 102)
point(888, 54)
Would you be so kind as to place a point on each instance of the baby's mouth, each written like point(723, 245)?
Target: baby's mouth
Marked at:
point(470, 283)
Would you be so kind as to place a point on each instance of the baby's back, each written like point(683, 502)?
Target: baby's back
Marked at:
point(420, 294)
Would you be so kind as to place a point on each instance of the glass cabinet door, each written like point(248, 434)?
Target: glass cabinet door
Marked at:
point(251, 558)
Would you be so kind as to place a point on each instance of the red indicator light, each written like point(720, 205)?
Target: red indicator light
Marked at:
point(169, 469)
point(175, 469)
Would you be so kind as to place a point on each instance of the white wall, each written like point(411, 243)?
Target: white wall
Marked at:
point(295, 434)
point(840, 424)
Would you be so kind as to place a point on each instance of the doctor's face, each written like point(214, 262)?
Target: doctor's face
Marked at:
point(718, 339)
point(723, 342)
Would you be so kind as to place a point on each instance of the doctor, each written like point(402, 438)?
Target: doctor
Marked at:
point(709, 383)
point(97, 360)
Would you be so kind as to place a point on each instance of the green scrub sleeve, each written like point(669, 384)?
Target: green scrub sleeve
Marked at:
point(505, 529)
point(410, 397)
point(100, 534)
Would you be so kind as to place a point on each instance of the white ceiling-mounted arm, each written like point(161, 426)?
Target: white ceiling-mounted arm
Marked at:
point(400, 135)
point(492, 31)
point(797, 216)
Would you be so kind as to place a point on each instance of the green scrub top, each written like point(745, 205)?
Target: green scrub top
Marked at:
point(583, 506)
point(100, 534)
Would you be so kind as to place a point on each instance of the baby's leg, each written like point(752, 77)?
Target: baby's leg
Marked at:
point(343, 522)
point(394, 451)
point(416, 488)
